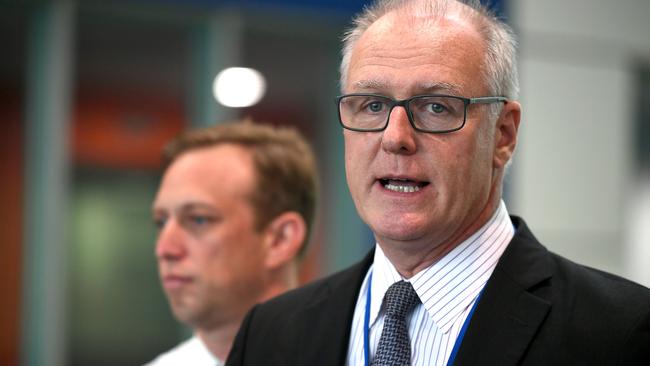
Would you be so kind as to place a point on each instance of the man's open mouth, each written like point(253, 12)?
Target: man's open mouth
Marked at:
point(402, 185)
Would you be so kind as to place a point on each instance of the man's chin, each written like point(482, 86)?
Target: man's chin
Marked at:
point(191, 319)
point(185, 311)
point(396, 230)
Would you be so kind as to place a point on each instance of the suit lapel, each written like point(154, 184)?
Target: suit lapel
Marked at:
point(331, 314)
point(504, 323)
point(509, 314)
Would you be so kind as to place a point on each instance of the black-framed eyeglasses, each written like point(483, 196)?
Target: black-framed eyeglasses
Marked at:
point(432, 113)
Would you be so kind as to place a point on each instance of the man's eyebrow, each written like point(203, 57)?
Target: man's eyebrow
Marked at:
point(185, 207)
point(195, 205)
point(421, 88)
point(438, 87)
point(373, 84)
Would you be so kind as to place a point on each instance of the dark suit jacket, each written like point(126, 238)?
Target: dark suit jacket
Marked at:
point(537, 309)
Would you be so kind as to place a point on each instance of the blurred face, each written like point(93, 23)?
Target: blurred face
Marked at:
point(421, 190)
point(210, 256)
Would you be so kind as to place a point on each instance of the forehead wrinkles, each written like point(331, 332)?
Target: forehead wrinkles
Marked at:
point(449, 45)
point(386, 42)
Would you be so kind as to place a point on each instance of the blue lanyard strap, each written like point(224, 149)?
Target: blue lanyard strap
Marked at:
point(366, 328)
point(459, 340)
point(366, 324)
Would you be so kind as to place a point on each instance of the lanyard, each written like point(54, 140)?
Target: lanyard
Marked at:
point(366, 328)
point(366, 325)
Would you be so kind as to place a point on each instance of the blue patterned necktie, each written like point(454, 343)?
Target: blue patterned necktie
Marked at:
point(394, 347)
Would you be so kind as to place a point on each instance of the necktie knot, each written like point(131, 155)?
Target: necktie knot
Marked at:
point(400, 299)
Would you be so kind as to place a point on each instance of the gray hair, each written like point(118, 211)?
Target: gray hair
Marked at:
point(500, 72)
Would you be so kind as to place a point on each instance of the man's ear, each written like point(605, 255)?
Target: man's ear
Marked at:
point(505, 133)
point(284, 237)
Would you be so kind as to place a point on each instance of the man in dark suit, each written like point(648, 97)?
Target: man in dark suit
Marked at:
point(430, 122)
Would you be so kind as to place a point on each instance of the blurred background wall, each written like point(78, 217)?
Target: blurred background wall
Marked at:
point(581, 174)
point(91, 90)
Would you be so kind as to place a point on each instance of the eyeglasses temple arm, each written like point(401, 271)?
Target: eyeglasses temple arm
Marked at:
point(487, 100)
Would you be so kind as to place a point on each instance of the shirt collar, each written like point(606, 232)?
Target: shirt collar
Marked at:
point(448, 287)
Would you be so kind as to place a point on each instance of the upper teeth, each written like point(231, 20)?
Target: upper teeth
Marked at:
point(404, 189)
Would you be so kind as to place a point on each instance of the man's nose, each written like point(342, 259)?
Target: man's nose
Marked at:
point(399, 135)
point(170, 243)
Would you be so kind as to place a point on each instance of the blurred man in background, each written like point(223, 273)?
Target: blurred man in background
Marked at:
point(234, 211)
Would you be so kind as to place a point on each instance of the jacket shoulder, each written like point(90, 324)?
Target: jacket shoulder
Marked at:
point(294, 324)
point(595, 288)
point(314, 292)
point(594, 315)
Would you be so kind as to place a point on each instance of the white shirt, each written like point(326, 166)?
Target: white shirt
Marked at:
point(191, 352)
point(447, 289)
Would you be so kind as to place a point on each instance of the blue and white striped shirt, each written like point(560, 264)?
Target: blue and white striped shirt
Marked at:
point(447, 289)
